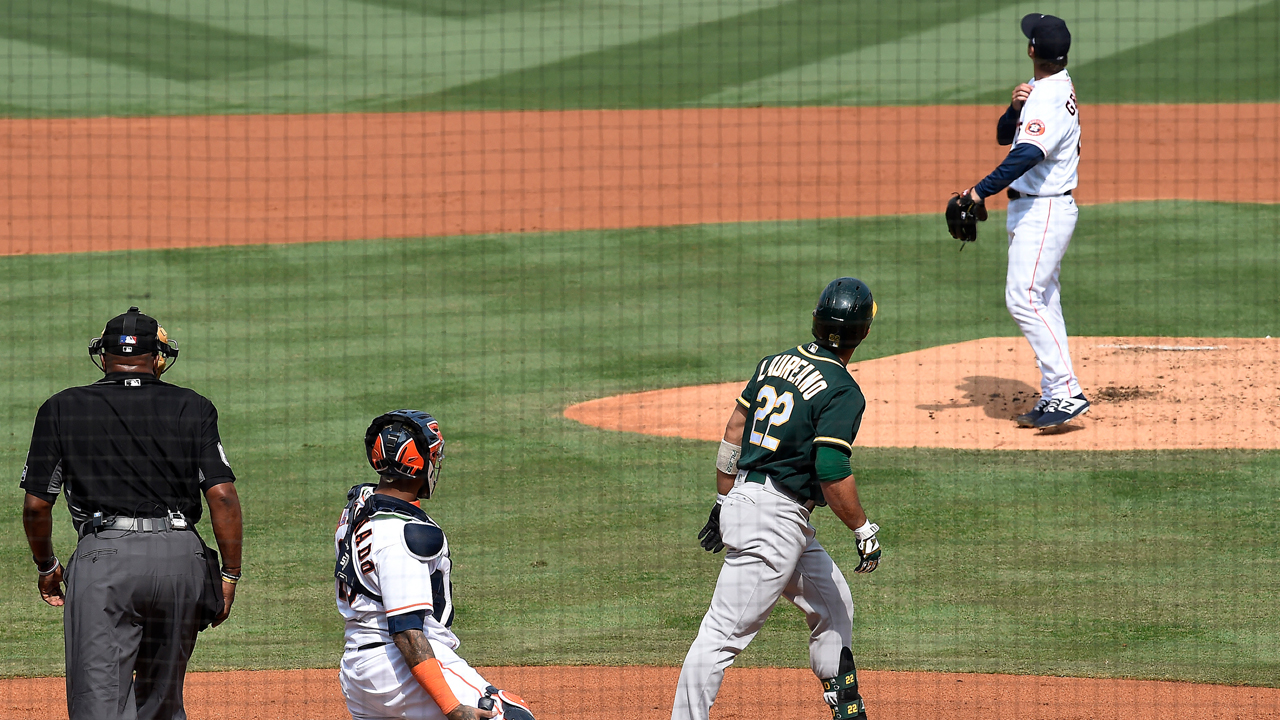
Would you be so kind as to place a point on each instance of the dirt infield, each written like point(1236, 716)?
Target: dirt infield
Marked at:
point(126, 183)
point(644, 693)
point(1147, 393)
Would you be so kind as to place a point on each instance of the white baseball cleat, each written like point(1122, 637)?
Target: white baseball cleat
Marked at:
point(1061, 410)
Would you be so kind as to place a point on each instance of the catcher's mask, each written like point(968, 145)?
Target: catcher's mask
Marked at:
point(844, 313)
point(406, 445)
point(134, 334)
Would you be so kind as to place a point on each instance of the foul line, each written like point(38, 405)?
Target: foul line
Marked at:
point(1175, 348)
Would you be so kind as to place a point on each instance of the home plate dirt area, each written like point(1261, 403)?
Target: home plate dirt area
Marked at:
point(644, 693)
point(1146, 393)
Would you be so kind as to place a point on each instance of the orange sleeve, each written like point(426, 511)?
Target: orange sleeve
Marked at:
point(430, 676)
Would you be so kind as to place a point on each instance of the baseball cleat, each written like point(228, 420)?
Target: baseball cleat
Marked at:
point(1029, 418)
point(1063, 410)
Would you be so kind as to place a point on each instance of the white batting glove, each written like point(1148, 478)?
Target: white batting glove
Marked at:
point(868, 547)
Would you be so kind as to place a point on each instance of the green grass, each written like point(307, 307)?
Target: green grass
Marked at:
point(1222, 61)
point(140, 57)
point(574, 545)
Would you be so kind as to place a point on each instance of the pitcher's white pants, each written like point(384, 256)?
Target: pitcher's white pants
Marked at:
point(770, 553)
point(1039, 232)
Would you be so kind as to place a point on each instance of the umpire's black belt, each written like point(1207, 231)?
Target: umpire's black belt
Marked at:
point(1015, 195)
point(128, 524)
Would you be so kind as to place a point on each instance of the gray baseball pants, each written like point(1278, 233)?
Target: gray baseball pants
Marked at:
point(130, 624)
point(770, 553)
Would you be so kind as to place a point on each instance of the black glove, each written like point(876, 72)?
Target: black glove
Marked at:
point(963, 216)
point(709, 538)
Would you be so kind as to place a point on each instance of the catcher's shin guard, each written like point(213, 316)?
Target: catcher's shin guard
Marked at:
point(841, 691)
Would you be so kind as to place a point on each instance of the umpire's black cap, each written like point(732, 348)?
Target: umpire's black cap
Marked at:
point(131, 333)
point(1049, 36)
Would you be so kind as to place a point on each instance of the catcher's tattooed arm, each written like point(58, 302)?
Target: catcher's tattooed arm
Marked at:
point(413, 645)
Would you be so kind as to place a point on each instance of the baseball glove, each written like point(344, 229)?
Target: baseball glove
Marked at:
point(963, 216)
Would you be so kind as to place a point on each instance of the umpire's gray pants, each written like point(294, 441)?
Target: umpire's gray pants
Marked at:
point(771, 553)
point(130, 624)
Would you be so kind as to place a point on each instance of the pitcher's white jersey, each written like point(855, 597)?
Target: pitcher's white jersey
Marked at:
point(1050, 121)
point(402, 556)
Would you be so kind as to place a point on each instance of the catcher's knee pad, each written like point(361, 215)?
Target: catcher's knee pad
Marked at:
point(514, 707)
point(841, 691)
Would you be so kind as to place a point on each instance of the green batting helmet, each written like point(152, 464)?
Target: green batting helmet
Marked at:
point(844, 314)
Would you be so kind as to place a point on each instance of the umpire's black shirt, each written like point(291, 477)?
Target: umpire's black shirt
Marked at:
point(128, 445)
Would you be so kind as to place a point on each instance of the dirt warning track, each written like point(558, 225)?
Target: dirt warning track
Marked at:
point(171, 182)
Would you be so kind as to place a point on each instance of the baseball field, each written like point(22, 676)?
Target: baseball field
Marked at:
point(570, 229)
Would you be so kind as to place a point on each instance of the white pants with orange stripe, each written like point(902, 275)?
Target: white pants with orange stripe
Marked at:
point(1039, 232)
point(771, 553)
point(377, 683)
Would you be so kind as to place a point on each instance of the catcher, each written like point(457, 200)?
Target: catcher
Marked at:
point(395, 593)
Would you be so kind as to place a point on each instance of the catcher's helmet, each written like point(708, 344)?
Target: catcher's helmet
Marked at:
point(844, 314)
point(406, 444)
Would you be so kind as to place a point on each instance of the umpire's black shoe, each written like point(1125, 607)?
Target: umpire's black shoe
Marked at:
point(1063, 410)
point(1028, 419)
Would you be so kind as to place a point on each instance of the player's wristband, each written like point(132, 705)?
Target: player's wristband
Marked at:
point(720, 498)
point(52, 568)
point(868, 530)
point(431, 677)
point(727, 458)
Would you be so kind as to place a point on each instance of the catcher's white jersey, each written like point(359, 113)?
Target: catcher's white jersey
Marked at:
point(1050, 121)
point(408, 582)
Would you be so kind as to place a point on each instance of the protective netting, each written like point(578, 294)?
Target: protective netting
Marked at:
point(571, 231)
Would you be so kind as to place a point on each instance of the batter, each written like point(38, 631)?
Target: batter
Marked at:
point(786, 449)
point(1043, 125)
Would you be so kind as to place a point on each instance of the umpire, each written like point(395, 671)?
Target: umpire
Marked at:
point(132, 454)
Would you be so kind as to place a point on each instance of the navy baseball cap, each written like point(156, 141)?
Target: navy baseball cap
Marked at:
point(131, 333)
point(1049, 36)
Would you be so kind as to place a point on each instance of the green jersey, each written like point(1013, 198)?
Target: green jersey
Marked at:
point(798, 399)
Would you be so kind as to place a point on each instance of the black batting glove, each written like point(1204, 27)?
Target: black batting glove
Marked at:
point(709, 537)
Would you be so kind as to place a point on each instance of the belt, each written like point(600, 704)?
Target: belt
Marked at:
point(370, 646)
point(1015, 195)
point(763, 479)
point(128, 524)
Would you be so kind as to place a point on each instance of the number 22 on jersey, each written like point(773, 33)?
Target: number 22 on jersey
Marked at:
point(776, 409)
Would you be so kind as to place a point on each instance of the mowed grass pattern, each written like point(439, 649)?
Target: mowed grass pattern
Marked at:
point(129, 57)
point(574, 545)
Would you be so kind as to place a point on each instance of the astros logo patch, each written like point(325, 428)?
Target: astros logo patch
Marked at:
point(1035, 127)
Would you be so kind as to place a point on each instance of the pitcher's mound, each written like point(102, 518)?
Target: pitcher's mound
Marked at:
point(1146, 393)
